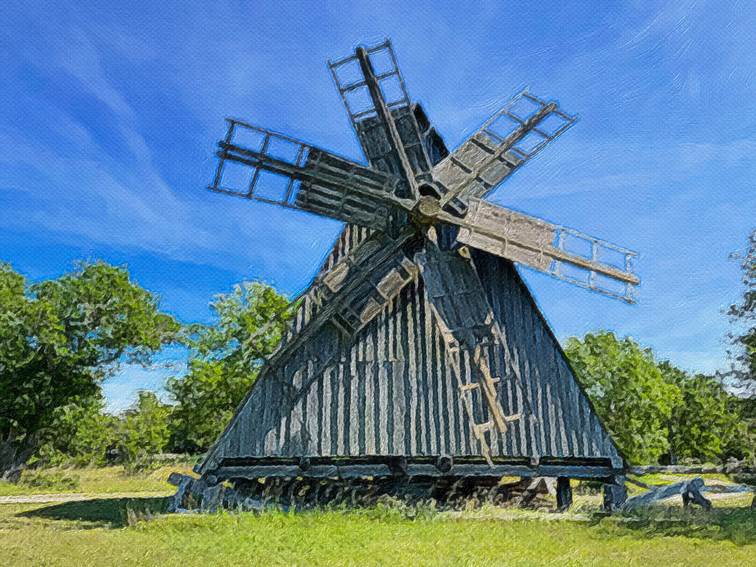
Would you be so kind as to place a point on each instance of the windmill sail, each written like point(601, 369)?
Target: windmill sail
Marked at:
point(553, 249)
point(284, 171)
point(507, 140)
point(467, 323)
point(376, 99)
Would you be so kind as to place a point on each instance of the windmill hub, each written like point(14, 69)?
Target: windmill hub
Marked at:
point(426, 210)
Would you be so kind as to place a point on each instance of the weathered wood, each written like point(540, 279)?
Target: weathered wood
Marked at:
point(387, 119)
point(400, 467)
point(690, 490)
point(563, 494)
point(615, 494)
point(489, 155)
point(529, 240)
point(730, 468)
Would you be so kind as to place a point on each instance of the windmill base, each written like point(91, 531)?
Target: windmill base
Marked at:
point(315, 482)
point(417, 467)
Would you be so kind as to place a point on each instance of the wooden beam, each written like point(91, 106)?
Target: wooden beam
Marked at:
point(563, 494)
point(420, 470)
point(392, 133)
point(615, 494)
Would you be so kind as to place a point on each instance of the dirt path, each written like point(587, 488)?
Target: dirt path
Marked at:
point(75, 497)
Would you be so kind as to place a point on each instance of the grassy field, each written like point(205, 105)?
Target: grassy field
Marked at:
point(107, 530)
point(105, 480)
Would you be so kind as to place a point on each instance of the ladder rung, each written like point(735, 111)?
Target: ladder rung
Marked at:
point(514, 117)
point(380, 47)
point(342, 61)
point(361, 83)
point(483, 427)
point(469, 387)
point(459, 163)
point(387, 74)
point(362, 113)
point(482, 145)
point(513, 417)
point(352, 86)
point(534, 98)
point(403, 101)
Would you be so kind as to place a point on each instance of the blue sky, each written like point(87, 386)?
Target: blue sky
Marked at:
point(109, 115)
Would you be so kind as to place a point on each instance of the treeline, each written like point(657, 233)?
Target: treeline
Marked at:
point(655, 411)
point(224, 359)
point(61, 338)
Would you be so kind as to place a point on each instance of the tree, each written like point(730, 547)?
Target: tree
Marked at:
point(59, 339)
point(743, 317)
point(81, 434)
point(143, 431)
point(225, 361)
point(628, 390)
point(704, 425)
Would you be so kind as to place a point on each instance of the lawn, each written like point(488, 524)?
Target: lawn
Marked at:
point(132, 531)
point(104, 480)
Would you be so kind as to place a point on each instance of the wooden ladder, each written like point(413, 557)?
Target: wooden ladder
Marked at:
point(483, 381)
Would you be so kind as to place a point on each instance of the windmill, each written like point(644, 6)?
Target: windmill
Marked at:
point(420, 233)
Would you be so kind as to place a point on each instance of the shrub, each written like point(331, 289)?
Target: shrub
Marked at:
point(143, 432)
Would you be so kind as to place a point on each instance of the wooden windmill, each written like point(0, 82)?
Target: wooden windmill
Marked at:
point(417, 343)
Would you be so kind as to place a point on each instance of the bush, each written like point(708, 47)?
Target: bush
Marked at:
point(224, 362)
point(143, 432)
point(705, 425)
point(49, 480)
point(81, 435)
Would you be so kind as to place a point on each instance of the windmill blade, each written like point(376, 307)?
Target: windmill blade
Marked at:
point(507, 140)
point(265, 166)
point(358, 287)
point(467, 324)
point(553, 249)
point(376, 99)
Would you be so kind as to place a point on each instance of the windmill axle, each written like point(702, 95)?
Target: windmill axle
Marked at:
point(426, 210)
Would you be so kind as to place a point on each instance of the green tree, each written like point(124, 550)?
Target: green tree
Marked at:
point(81, 434)
point(59, 339)
point(743, 316)
point(628, 391)
point(704, 425)
point(225, 361)
point(143, 431)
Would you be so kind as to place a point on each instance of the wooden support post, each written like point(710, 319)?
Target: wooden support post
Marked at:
point(563, 494)
point(615, 493)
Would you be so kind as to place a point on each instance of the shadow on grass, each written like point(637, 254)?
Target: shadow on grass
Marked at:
point(737, 525)
point(101, 512)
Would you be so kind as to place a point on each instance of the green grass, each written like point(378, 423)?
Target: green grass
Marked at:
point(105, 480)
point(98, 532)
point(133, 531)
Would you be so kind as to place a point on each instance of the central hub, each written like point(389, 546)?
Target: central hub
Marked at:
point(426, 210)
